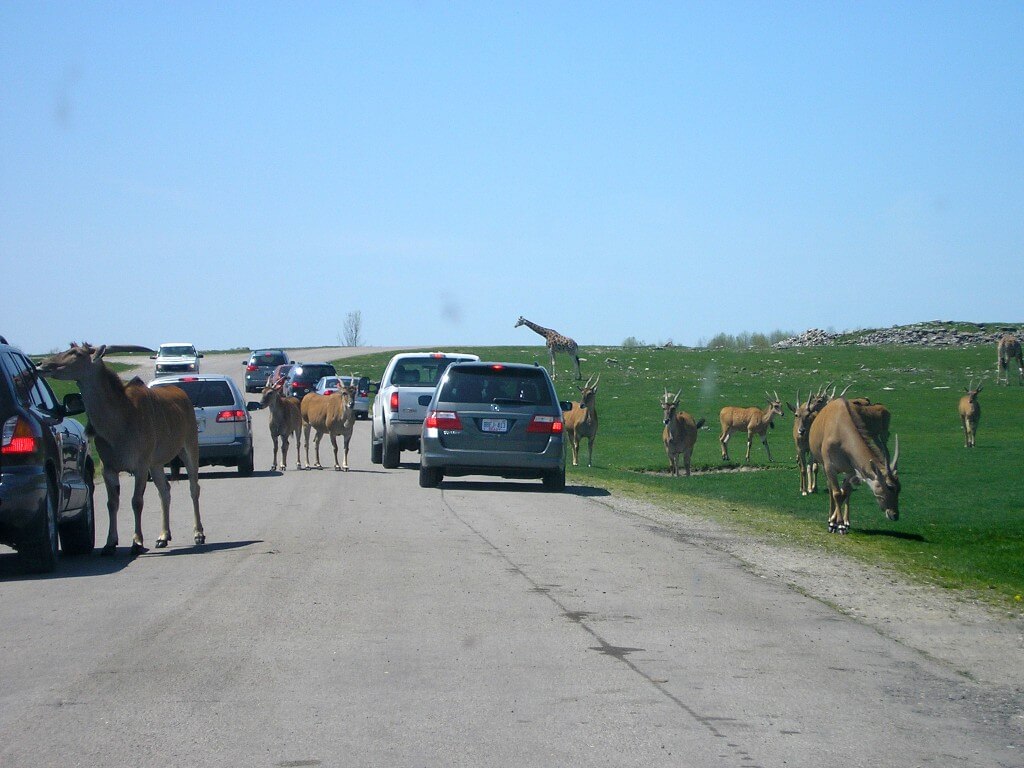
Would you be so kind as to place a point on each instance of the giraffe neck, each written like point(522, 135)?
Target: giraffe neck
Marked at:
point(545, 332)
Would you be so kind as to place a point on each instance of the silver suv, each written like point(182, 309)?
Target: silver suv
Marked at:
point(499, 419)
point(222, 415)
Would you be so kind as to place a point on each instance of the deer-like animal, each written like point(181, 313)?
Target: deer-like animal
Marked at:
point(970, 414)
point(138, 430)
point(876, 418)
point(581, 421)
point(555, 342)
point(332, 415)
point(842, 444)
point(803, 417)
point(285, 422)
point(1009, 349)
point(679, 434)
point(753, 421)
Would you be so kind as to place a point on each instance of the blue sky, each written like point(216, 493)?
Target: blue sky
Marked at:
point(247, 174)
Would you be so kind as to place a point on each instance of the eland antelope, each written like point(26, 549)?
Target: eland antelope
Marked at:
point(679, 434)
point(753, 421)
point(581, 421)
point(1009, 349)
point(970, 414)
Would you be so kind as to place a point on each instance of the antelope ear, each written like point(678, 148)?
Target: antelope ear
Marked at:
point(98, 354)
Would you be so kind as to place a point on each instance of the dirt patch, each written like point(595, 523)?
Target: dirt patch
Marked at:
point(705, 470)
point(965, 634)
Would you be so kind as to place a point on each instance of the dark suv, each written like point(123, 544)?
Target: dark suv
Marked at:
point(260, 366)
point(46, 471)
point(303, 377)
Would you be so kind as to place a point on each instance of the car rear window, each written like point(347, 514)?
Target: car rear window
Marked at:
point(313, 373)
point(206, 394)
point(420, 371)
point(487, 384)
point(269, 358)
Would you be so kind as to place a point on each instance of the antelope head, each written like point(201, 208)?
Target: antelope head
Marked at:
point(774, 404)
point(669, 403)
point(885, 484)
point(804, 413)
point(588, 391)
point(972, 393)
point(77, 361)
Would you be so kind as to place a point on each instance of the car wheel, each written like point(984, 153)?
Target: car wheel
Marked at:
point(79, 536)
point(245, 464)
point(391, 454)
point(40, 554)
point(430, 477)
point(555, 480)
point(376, 450)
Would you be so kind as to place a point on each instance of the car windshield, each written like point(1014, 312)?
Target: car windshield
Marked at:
point(183, 351)
point(205, 394)
point(487, 384)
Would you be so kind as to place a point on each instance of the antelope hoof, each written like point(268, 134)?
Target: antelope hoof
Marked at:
point(137, 549)
point(337, 468)
point(832, 527)
point(108, 550)
point(803, 493)
point(844, 529)
point(200, 538)
point(161, 543)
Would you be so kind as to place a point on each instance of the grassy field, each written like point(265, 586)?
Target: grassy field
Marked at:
point(962, 511)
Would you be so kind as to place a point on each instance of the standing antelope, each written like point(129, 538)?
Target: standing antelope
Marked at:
point(753, 421)
point(138, 430)
point(1009, 349)
point(842, 444)
point(285, 421)
point(970, 414)
point(555, 342)
point(329, 414)
point(803, 417)
point(679, 434)
point(581, 421)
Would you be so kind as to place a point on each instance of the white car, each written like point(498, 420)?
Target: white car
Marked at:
point(176, 357)
point(222, 417)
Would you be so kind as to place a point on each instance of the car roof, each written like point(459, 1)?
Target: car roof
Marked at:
point(177, 344)
point(191, 377)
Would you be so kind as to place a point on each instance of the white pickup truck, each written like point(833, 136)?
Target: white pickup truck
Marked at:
point(176, 357)
point(401, 402)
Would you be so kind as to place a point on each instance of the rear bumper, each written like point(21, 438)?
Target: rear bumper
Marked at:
point(225, 453)
point(21, 499)
point(501, 463)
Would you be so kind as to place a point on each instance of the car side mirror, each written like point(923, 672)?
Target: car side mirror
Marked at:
point(201, 355)
point(74, 404)
point(252, 405)
point(565, 405)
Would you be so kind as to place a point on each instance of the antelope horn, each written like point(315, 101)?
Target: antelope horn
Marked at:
point(677, 395)
point(845, 390)
point(895, 455)
point(116, 349)
point(777, 398)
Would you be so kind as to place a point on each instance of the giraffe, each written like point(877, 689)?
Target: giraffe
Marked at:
point(556, 342)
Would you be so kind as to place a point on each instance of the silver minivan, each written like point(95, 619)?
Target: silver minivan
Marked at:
point(500, 419)
point(222, 417)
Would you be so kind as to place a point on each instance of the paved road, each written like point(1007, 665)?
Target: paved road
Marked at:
point(354, 619)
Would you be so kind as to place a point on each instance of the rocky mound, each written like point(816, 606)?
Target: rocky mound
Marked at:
point(921, 334)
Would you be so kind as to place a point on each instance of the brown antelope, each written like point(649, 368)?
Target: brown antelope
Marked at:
point(970, 414)
point(285, 421)
point(138, 430)
point(1009, 349)
point(332, 415)
point(841, 443)
point(803, 417)
point(679, 434)
point(581, 421)
point(876, 418)
point(753, 421)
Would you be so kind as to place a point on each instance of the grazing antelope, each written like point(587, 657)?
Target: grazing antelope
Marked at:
point(841, 443)
point(581, 421)
point(1009, 349)
point(679, 434)
point(970, 414)
point(138, 430)
point(753, 421)
point(332, 415)
point(285, 421)
point(555, 342)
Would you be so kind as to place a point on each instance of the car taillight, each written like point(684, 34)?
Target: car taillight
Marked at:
point(328, 391)
point(394, 402)
point(446, 420)
point(547, 425)
point(231, 416)
point(17, 437)
point(296, 385)
point(250, 367)
point(189, 378)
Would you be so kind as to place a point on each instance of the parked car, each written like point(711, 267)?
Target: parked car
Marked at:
point(222, 416)
point(361, 403)
point(401, 402)
point(176, 357)
point(260, 366)
point(302, 378)
point(499, 419)
point(46, 470)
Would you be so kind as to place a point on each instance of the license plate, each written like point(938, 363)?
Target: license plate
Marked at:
point(494, 425)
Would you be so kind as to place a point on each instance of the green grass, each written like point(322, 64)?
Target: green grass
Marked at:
point(962, 511)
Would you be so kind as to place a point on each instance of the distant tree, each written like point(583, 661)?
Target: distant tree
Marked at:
point(353, 329)
point(631, 342)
